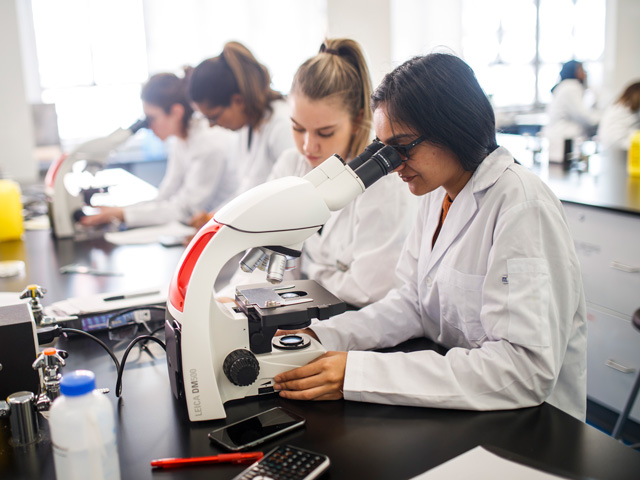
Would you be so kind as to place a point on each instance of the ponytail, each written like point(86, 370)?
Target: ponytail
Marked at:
point(234, 71)
point(340, 71)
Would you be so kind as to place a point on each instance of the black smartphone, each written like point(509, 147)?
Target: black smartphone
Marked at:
point(256, 429)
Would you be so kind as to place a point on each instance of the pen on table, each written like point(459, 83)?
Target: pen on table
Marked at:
point(222, 458)
point(130, 295)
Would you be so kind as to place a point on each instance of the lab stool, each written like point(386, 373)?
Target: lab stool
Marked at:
point(624, 415)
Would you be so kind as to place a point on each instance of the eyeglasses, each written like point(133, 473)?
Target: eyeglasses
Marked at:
point(213, 119)
point(403, 150)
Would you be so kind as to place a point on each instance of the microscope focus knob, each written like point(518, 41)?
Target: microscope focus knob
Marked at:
point(241, 367)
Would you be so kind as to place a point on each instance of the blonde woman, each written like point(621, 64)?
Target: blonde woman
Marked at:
point(355, 253)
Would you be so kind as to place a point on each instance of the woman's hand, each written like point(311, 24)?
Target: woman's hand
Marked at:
point(320, 379)
point(200, 219)
point(105, 215)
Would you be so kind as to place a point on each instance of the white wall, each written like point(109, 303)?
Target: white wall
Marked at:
point(369, 23)
point(423, 26)
point(622, 48)
point(17, 160)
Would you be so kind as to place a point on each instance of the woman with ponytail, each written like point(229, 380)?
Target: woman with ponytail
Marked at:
point(355, 253)
point(233, 90)
point(200, 174)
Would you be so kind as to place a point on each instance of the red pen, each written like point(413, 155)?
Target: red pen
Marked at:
point(222, 458)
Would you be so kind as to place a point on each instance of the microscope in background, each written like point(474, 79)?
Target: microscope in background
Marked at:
point(64, 207)
point(217, 352)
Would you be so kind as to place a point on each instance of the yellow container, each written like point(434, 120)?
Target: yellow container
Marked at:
point(633, 157)
point(11, 225)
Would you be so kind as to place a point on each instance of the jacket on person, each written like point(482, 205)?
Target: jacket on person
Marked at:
point(501, 288)
point(200, 176)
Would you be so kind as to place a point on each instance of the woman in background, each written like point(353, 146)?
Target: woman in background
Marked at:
point(569, 117)
point(489, 270)
point(199, 175)
point(621, 120)
point(233, 90)
point(355, 253)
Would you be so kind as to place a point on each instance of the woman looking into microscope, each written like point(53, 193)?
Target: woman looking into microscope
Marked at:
point(199, 175)
point(489, 270)
point(233, 90)
point(353, 254)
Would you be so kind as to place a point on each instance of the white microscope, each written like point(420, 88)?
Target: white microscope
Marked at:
point(217, 352)
point(64, 206)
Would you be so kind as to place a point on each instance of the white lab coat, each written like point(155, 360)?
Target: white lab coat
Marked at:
point(569, 117)
point(501, 288)
point(200, 176)
point(255, 159)
point(355, 255)
point(617, 126)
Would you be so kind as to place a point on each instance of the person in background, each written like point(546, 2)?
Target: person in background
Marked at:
point(200, 173)
point(354, 254)
point(569, 116)
point(489, 270)
point(234, 91)
point(621, 120)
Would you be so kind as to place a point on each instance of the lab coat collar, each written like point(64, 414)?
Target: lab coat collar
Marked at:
point(465, 205)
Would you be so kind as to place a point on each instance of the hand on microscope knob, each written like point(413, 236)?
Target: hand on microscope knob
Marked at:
point(320, 379)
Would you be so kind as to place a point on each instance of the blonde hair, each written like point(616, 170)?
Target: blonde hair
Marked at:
point(340, 71)
point(235, 70)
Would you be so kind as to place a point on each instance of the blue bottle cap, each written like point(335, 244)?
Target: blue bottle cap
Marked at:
point(77, 383)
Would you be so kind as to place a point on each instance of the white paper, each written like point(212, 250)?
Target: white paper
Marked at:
point(152, 234)
point(97, 304)
point(480, 464)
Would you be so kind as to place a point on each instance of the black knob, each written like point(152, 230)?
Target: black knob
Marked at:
point(241, 367)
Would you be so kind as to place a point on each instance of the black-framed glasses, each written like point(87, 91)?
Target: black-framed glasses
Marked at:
point(403, 150)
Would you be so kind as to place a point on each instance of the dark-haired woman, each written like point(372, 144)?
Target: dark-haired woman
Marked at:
point(200, 174)
point(569, 116)
point(489, 270)
point(233, 90)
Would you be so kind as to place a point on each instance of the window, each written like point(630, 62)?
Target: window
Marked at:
point(94, 55)
point(517, 47)
point(92, 61)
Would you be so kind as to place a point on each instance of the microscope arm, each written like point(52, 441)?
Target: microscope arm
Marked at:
point(202, 334)
point(62, 204)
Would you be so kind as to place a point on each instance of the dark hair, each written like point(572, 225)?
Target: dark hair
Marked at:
point(438, 96)
point(569, 71)
point(165, 90)
point(631, 97)
point(235, 70)
point(340, 71)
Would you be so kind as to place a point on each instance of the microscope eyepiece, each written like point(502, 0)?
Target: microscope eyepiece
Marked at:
point(369, 150)
point(142, 123)
point(381, 163)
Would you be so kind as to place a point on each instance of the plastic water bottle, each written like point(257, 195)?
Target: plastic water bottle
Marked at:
point(83, 431)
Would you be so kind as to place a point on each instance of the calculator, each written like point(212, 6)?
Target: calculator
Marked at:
point(287, 463)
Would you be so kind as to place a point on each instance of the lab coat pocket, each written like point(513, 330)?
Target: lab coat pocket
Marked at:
point(461, 302)
point(528, 282)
